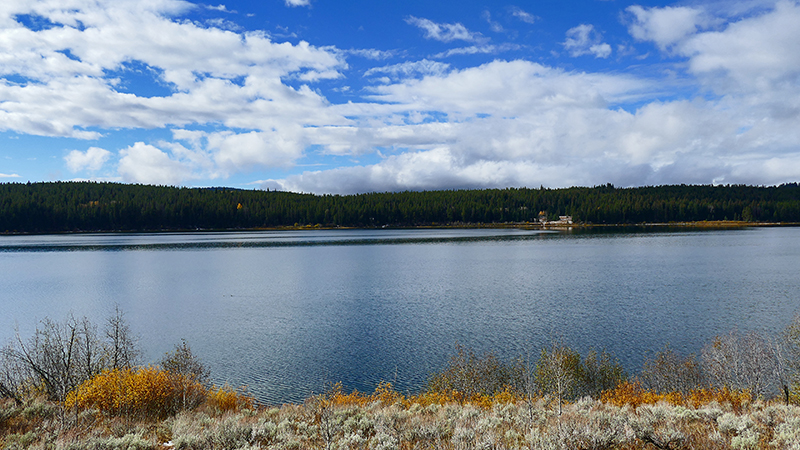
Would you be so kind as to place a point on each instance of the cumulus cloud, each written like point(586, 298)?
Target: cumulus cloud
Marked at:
point(753, 63)
point(92, 159)
point(9, 175)
point(71, 67)
point(445, 32)
point(585, 40)
point(757, 53)
point(665, 26)
point(510, 89)
point(143, 163)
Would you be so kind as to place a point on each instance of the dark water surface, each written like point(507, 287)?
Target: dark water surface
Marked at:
point(286, 312)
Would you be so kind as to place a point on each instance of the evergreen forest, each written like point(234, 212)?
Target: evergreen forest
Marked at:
point(101, 206)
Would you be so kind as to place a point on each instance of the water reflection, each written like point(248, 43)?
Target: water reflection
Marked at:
point(200, 240)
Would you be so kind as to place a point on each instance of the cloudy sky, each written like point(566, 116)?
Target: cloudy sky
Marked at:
point(353, 96)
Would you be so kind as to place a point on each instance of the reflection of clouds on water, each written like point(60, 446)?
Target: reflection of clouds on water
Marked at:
point(182, 241)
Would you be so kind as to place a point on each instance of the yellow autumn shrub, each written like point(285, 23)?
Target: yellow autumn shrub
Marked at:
point(146, 392)
point(386, 394)
point(226, 399)
point(632, 393)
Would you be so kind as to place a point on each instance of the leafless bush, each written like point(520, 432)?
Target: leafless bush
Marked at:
point(121, 346)
point(669, 372)
point(182, 361)
point(558, 372)
point(600, 372)
point(743, 362)
point(61, 355)
point(472, 374)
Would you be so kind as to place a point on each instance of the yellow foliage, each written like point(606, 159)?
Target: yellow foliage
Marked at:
point(632, 393)
point(386, 394)
point(737, 399)
point(146, 392)
point(227, 399)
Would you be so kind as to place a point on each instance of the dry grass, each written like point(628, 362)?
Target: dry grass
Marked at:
point(386, 419)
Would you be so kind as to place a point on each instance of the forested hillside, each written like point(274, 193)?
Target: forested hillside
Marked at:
point(90, 206)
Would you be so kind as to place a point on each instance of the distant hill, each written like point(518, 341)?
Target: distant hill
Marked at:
point(90, 206)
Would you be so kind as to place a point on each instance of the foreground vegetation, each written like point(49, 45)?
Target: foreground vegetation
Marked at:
point(387, 420)
point(88, 206)
point(742, 392)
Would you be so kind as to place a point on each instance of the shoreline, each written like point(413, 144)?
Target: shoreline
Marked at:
point(716, 224)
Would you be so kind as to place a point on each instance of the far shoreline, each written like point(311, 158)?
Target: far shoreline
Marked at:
point(707, 225)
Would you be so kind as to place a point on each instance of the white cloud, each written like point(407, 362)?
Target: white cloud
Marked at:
point(371, 53)
point(753, 64)
point(493, 25)
point(295, 3)
point(478, 49)
point(760, 53)
point(9, 175)
point(143, 163)
point(523, 15)
point(665, 26)
point(445, 32)
point(509, 88)
point(411, 69)
point(71, 71)
point(92, 159)
point(241, 152)
point(220, 8)
point(585, 40)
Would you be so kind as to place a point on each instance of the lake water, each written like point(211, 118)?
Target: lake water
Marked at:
point(287, 312)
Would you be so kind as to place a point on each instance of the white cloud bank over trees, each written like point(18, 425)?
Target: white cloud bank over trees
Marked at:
point(240, 102)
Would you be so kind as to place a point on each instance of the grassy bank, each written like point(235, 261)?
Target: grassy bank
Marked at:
point(389, 420)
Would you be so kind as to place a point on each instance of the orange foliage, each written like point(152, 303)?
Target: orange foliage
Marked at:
point(737, 399)
point(632, 393)
point(386, 394)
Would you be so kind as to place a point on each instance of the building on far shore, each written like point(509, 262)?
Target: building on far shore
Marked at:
point(562, 220)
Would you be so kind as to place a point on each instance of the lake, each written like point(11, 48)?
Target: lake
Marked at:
point(285, 312)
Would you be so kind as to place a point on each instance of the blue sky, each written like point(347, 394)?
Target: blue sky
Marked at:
point(359, 96)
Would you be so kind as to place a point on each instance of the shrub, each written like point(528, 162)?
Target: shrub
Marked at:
point(669, 372)
point(183, 362)
point(600, 372)
point(226, 399)
point(634, 394)
point(61, 355)
point(145, 392)
point(558, 372)
point(471, 374)
point(743, 362)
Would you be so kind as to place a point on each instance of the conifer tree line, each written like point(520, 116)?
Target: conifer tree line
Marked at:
point(92, 206)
